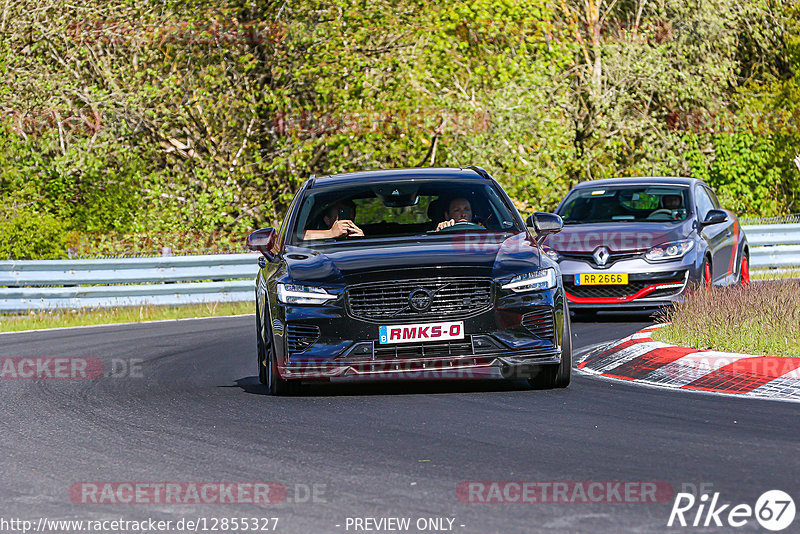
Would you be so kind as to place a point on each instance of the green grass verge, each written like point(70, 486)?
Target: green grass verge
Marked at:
point(761, 319)
point(133, 314)
point(774, 274)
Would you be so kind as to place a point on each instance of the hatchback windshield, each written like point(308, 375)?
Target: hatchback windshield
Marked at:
point(630, 203)
point(401, 209)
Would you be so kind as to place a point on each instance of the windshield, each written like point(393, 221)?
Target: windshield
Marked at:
point(629, 203)
point(401, 209)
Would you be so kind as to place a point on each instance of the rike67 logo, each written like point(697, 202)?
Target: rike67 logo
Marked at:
point(774, 510)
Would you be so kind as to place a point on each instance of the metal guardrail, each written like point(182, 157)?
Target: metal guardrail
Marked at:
point(175, 280)
point(105, 283)
point(773, 245)
point(777, 219)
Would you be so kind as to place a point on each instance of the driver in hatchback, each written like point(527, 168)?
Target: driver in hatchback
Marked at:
point(674, 203)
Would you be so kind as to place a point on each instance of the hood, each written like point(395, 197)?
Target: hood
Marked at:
point(494, 255)
point(618, 237)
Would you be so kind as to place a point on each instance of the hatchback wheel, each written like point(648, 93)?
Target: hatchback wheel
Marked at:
point(706, 275)
point(744, 271)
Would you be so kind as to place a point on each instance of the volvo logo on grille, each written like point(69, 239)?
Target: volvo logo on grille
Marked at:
point(420, 300)
point(601, 256)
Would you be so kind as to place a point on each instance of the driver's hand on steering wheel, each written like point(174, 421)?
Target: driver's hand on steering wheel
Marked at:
point(445, 224)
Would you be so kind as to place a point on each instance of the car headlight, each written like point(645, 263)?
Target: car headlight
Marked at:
point(535, 281)
point(296, 294)
point(669, 251)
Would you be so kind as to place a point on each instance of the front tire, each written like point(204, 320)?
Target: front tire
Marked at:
point(268, 364)
point(558, 376)
point(260, 352)
point(275, 384)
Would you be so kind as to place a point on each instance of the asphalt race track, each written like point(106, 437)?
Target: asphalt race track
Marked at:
point(194, 412)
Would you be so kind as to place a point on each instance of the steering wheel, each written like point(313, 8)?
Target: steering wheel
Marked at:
point(659, 212)
point(459, 227)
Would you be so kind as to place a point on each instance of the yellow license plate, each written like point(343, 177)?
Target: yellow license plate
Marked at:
point(601, 279)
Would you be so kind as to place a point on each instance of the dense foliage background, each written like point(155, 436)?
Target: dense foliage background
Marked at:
point(136, 124)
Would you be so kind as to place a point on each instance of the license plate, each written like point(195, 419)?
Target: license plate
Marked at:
point(601, 279)
point(415, 333)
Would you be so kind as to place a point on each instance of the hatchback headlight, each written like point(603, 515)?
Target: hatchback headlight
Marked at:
point(551, 253)
point(296, 294)
point(535, 281)
point(669, 251)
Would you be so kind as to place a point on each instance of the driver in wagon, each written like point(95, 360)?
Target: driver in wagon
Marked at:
point(458, 210)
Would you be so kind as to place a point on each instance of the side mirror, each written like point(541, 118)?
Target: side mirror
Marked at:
point(714, 217)
point(545, 223)
point(263, 241)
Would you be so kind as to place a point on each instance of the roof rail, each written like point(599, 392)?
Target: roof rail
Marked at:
point(311, 180)
point(481, 171)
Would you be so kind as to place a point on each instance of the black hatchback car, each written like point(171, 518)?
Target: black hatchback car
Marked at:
point(417, 273)
point(641, 242)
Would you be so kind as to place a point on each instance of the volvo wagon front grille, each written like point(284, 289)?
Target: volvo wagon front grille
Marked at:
point(449, 298)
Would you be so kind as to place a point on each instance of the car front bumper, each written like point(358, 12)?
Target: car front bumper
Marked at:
point(651, 285)
point(500, 341)
point(478, 366)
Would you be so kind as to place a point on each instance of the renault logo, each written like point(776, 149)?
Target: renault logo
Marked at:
point(420, 300)
point(601, 256)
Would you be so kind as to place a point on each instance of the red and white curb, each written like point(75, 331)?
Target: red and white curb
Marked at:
point(638, 358)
